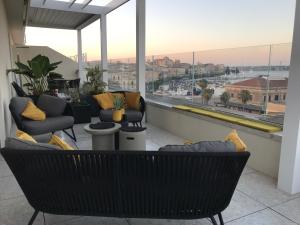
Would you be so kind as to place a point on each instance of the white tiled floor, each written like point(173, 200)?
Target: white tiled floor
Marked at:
point(256, 200)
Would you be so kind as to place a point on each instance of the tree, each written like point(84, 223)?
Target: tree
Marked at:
point(207, 94)
point(203, 84)
point(237, 71)
point(245, 96)
point(225, 98)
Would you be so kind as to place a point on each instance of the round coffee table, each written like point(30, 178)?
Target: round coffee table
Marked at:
point(103, 139)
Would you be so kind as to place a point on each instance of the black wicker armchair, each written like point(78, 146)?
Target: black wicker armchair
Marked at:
point(166, 185)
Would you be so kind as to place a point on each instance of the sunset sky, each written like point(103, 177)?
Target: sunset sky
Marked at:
point(180, 26)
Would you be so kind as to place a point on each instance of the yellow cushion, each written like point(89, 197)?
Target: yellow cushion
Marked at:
point(232, 119)
point(237, 141)
point(133, 100)
point(105, 101)
point(24, 136)
point(55, 140)
point(33, 112)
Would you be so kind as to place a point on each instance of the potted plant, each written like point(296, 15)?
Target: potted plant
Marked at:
point(118, 110)
point(37, 74)
point(93, 86)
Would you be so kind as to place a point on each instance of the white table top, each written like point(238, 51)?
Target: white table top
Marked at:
point(102, 132)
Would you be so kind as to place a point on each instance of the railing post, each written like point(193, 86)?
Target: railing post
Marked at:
point(103, 37)
point(141, 46)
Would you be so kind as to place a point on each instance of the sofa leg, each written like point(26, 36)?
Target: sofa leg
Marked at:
point(221, 218)
point(32, 219)
point(73, 136)
point(214, 222)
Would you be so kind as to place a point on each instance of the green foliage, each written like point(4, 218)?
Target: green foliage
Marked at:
point(37, 73)
point(245, 96)
point(118, 103)
point(225, 98)
point(94, 84)
point(207, 94)
point(203, 84)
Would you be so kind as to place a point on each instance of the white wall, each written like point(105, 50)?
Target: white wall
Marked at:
point(264, 147)
point(67, 68)
point(5, 63)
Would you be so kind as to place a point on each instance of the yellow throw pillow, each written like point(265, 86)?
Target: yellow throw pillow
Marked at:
point(55, 140)
point(105, 101)
point(133, 100)
point(24, 136)
point(237, 141)
point(32, 112)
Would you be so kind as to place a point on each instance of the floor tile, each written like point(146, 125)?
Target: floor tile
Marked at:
point(95, 221)
point(265, 217)
point(248, 170)
point(263, 189)
point(4, 169)
point(18, 212)
point(290, 209)
point(241, 205)
point(9, 188)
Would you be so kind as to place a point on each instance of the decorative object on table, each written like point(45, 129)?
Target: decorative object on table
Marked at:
point(103, 139)
point(37, 73)
point(93, 85)
point(118, 110)
point(132, 139)
point(102, 126)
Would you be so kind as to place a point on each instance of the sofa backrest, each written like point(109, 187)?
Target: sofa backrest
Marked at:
point(185, 185)
point(17, 106)
point(51, 105)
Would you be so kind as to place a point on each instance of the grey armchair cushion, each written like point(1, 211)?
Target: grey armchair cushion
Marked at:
point(49, 125)
point(52, 106)
point(17, 144)
point(132, 115)
point(203, 146)
point(17, 106)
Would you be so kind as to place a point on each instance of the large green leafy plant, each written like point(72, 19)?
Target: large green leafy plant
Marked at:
point(94, 84)
point(37, 73)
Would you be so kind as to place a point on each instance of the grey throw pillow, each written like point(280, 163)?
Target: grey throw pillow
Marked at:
point(203, 146)
point(18, 144)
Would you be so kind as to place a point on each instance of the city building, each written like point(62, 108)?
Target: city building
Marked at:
point(259, 89)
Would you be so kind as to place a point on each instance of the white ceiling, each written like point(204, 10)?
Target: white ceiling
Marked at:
point(68, 14)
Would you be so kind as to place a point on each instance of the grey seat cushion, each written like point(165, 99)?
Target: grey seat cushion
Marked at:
point(48, 125)
point(17, 144)
point(52, 106)
point(17, 106)
point(132, 115)
point(203, 146)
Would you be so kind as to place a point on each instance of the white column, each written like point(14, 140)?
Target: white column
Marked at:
point(79, 57)
point(103, 36)
point(289, 170)
point(141, 46)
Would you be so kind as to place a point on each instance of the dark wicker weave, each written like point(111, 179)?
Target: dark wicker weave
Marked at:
point(165, 185)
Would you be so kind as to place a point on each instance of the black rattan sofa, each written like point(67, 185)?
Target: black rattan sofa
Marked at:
point(165, 185)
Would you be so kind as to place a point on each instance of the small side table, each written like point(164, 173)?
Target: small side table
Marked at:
point(103, 139)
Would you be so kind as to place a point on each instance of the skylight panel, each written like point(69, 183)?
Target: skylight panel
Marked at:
point(100, 2)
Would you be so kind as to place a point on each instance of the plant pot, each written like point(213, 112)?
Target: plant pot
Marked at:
point(118, 115)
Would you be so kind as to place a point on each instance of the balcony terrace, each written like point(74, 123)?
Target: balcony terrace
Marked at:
point(176, 111)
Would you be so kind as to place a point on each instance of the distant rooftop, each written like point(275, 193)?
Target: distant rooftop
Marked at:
point(261, 82)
